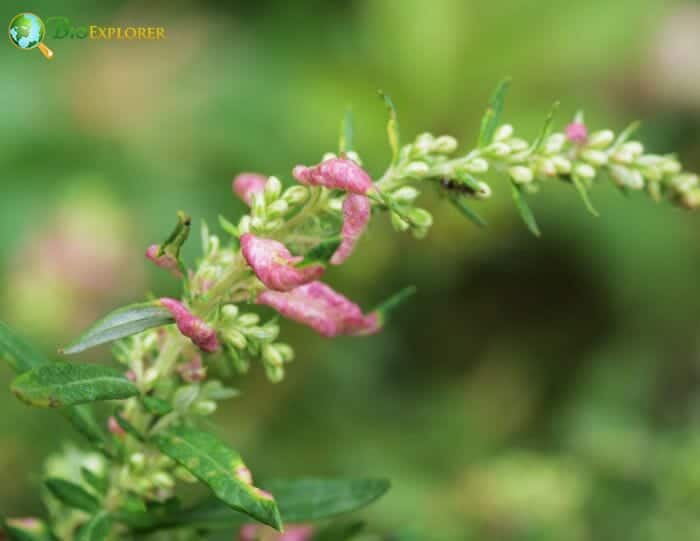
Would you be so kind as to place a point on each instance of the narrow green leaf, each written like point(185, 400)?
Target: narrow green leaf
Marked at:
point(99, 483)
point(524, 210)
point(393, 302)
point(228, 226)
point(26, 529)
point(177, 238)
point(96, 529)
point(121, 323)
point(392, 128)
point(583, 192)
point(18, 353)
point(63, 384)
point(461, 204)
point(626, 133)
point(346, 132)
point(492, 116)
point(155, 405)
point(544, 132)
point(72, 495)
point(322, 252)
point(339, 531)
point(128, 427)
point(216, 465)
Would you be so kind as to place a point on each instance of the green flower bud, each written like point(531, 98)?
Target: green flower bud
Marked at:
point(600, 139)
point(205, 407)
point(671, 166)
point(498, 149)
point(627, 178)
point(137, 461)
point(277, 208)
point(274, 373)
point(517, 145)
point(271, 356)
point(691, 199)
point(257, 209)
point(635, 148)
point(263, 334)
point(296, 195)
point(445, 144)
point(547, 168)
point(248, 320)
point(477, 165)
point(398, 223)
point(417, 169)
point(162, 480)
point(521, 174)
point(424, 143)
point(584, 171)
point(244, 224)
point(229, 312)
point(420, 218)
point(503, 132)
point(685, 182)
point(484, 191)
point(273, 188)
point(328, 156)
point(405, 195)
point(335, 204)
point(562, 165)
point(354, 156)
point(554, 143)
point(286, 351)
point(597, 158)
point(236, 339)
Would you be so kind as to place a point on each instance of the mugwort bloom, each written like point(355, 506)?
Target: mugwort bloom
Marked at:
point(320, 307)
point(357, 210)
point(336, 174)
point(201, 334)
point(164, 261)
point(576, 132)
point(246, 185)
point(273, 264)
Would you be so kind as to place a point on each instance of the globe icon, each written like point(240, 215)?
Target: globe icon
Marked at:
point(27, 31)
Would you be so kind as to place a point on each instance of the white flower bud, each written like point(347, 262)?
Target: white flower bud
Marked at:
point(286, 351)
point(271, 356)
point(521, 174)
point(477, 165)
point(236, 339)
point(296, 194)
point(405, 194)
point(244, 224)
point(517, 145)
point(584, 171)
point(229, 312)
point(278, 208)
point(417, 169)
point(354, 156)
point(257, 223)
point(205, 407)
point(625, 177)
point(503, 132)
point(274, 373)
point(547, 167)
point(671, 166)
point(597, 158)
point(651, 160)
point(685, 182)
point(248, 320)
point(554, 143)
point(398, 223)
point(263, 334)
point(336, 204)
point(691, 199)
point(424, 143)
point(162, 480)
point(499, 149)
point(635, 148)
point(273, 188)
point(420, 218)
point(257, 209)
point(600, 139)
point(137, 460)
point(622, 156)
point(445, 144)
point(328, 156)
point(484, 191)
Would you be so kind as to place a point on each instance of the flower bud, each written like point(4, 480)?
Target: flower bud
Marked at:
point(576, 132)
point(286, 351)
point(484, 191)
point(271, 356)
point(424, 143)
point(417, 169)
point(244, 224)
point(547, 167)
point(597, 158)
point(671, 167)
point(635, 148)
point(274, 373)
point(499, 149)
point(420, 218)
point(137, 460)
point(477, 165)
point(295, 195)
point(236, 339)
point(183, 475)
point(554, 143)
point(521, 174)
point(398, 223)
point(205, 407)
point(685, 182)
point(229, 312)
point(354, 156)
point(503, 132)
point(185, 396)
point(328, 156)
point(517, 145)
point(257, 209)
point(445, 144)
point(273, 188)
point(248, 320)
point(263, 334)
point(601, 139)
point(651, 160)
point(405, 195)
point(627, 178)
point(584, 171)
point(115, 428)
point(691, 199)
point(162, 480)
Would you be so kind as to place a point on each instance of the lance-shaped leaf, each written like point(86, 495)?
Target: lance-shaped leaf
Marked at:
point(72, 495)
point(626, 133)
point(18, 353)
point(26, 529)
point(492, 116)
point(583, 192)
point(221, 469)
point(544, 132)
point(155, 405)
point(95, 529)
point(346, 133)
point(64, 384)
point(524, 210)
point(392, 127)
point(385, 309)
point(121, 323)
point(322, 252)
point(461, 204)
point(99, 483)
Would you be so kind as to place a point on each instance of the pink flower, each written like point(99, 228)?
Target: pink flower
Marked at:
point(337, 174)
point(324, 310)
point(191, 326)
point(356, 214)
point(274, 265)
point(193, 370)
point(576, 132)
point(164, 261)
point(246, 185)
point(292, 532)
point(115, 428)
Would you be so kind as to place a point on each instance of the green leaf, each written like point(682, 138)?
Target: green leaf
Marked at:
point(392, 128)
point(83, 420)
point(123, 322)
point(461, 204)
point(18, 353)
point(155, 405)
point(524, 210)
point(95, 529)
point(492, 116)
point(393, 302)
point(128, 427)
point(626, 133)
point(229, 227)
point(63, 384)
point(346, 132)
point(215, 464)
point(544, 132)
point(72, 495)
point(177, 238)
point(583, 192)
point(322, 252)
point(99, 483)
point(339, 531)
point(26, 529)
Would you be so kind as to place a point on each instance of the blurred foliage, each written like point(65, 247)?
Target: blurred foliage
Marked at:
point(533, 390)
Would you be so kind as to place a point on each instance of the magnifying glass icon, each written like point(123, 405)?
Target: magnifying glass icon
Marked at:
point(27, 31)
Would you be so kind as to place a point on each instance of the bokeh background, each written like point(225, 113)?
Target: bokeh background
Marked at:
point(533, 390)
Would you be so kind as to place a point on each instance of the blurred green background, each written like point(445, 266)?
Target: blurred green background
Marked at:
point(533, 390)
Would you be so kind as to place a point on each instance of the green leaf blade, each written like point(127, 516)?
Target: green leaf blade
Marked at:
point(583, 192)
point(64, 384)
point(544, 132)
point(18, 353)
point(216, 465)
point(524, 210)
point(72, 495)
point(462, 206)
point(492, 116)
point(121, 323)
point(392, 127)
point(96, 529)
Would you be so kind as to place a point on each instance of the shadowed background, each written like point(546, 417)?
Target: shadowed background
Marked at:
point(532, 390)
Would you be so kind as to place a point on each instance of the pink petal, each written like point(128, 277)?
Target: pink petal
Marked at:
point(356, 214)
point(337, 174)
point(164, 261)
point(246, 185)
point(274, 265)
point(292, 532)
point(115, 428)
point(191, 326)
point(576, 132)
point(327, 312)
point(192, 370)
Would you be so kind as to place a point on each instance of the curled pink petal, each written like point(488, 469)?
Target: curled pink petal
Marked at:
point(356, 213)
point(191, 326)
point(576, 132)
point(327, 312)
point(337, 174)
point(246, 185)
point(164, 261)
point(274, 265)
